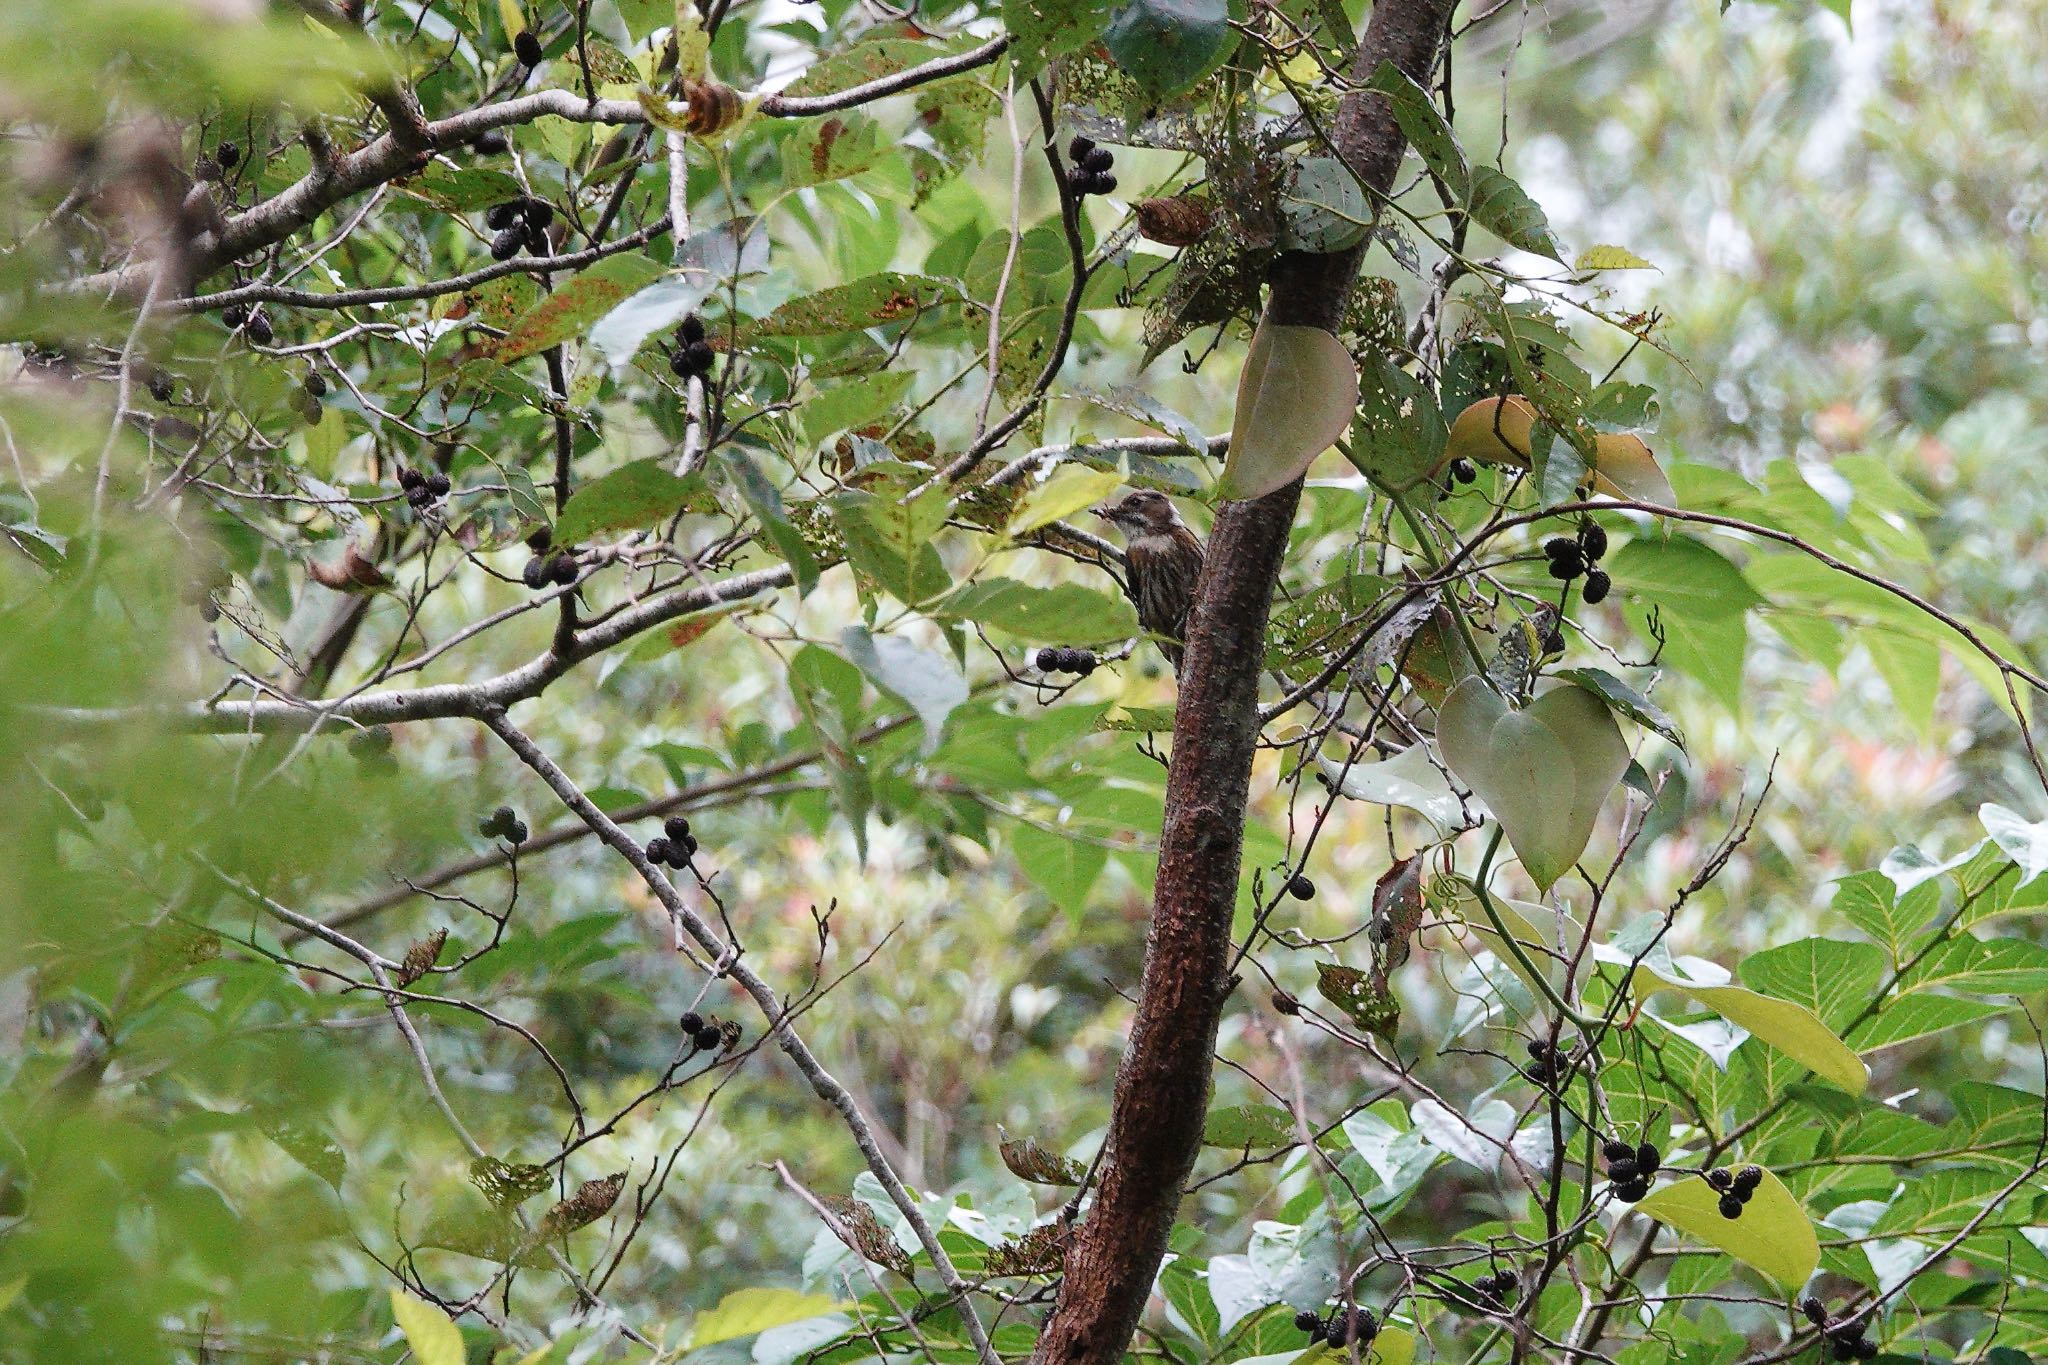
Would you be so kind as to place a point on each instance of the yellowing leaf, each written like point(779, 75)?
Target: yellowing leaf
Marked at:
point(433, 1336)
point(1071, 488)
point(1773, 1234)
point(514, 16)
point(1790, 1027)
point(1496, 431)
point(1544, 771)
point(1610, 258)
point(744, 1312)
point(1294, 399)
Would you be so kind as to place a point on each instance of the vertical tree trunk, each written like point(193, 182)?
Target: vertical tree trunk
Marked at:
point(1162, 1085)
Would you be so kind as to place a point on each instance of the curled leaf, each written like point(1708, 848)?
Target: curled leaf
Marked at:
point(1498, 430)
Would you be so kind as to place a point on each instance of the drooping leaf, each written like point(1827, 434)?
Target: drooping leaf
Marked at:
point(1295, 397)
point(1067, 614)
point(1773, 1234)
point(1625, 699)
point(1498, 431)
point(1610, 258)
point(1503, 206)
point(1543, 771)
point(765, 501)
point(1369, 1004)
point(871, 301)
point(929, 681)
point(1070, 489)
point(1410, 778)
point(576, 306)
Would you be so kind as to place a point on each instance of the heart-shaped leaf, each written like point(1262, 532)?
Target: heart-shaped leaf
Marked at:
point(1543, 771)
point(1498, 430)
point(1294, 399)
point(1773, 1233)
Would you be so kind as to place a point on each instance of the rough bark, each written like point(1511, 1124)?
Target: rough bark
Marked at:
point(1162, 1085)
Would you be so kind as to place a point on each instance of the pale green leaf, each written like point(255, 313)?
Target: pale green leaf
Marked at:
point(1773, 1234)
point(1610, 258)
point(1070, 489)
point(432, 1335)
point(744, 1312)
point(1295, 397)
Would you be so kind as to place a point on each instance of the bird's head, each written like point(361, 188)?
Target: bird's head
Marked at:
point(1145, 512)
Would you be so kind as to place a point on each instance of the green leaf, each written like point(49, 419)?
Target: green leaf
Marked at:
point(765, 500)
point(1624, 699)
point(1424, 127)
point(1791, 1028)
point(1066, 614)
point(1683, 576)
point(930, 682)
point(631, 497)
point(1295, 397)
point(1544, 771)
point(1043, 29)
point(828, 149)
point(1353, 991)
point(575, 307)
point(1165, 46)
point(1070, 489)
point(1065, 868)
point(1323, 206)
point(745, 1312)
point(1398, 434)
point(1498, 203)
point(1610, 258)
point(432, 1335)
point(870, 301)
point(1773, 1234)
point(1240, 1126)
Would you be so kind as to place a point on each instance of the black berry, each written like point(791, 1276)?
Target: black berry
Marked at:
point(710, 1036)
point(1630, 1191)
point(1648, 1158)
point(491, 142)
point(1731, 1205)
point(1305, 1321)
point(1097, 159)
point(657, 850)
point(1816, 1311)
point(259, 329)
point(1624, 1170)
point(1464, 471)
point(562, 568)
point(516, 833)
point(702, 357)
point(1614, 1149)
point(1598, 585)
point(539, 213)
point(1593, 540)
point(1720, 1178)
point(1566, 560)
point(1080, 147)
point(691, 1022)
point(676, 828)
point(692, 329)
point(527, 48)
point(316, 385)
point(438, 485)
point(506, 244)
point(1746, 1181)
point(162, 387)
point(234, 315)
point(503, 215)
point(227, 154)
point(409, 478)
point(1301, 888)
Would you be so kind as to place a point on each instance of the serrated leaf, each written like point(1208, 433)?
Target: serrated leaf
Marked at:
point(631, 497)
point(1503, 206)
point(1773, 1234)
point(1068, 613)
point(828, 149)
point(1295, 397)
point(1398, 433)
point(871, 301)
point(431, 1333)
point(1424, 127)
point(765, 501)
point(1544, 771)
point(745, 1312)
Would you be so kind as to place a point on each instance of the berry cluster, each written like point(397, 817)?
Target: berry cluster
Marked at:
point(1571, 556)
point(1463, 470)
point(1341, 1328)
point(1057, 659)
point(250, 322)
point(1848, 1340)
point(503, 823)
point(519, 223)
point(707, 1035)
point(1497, 1290)
point(1547, 1064)
point(372, 747)
point(1631, 1168)
point(526, 47)
point(675, 845)
point(423, 490)
point(1735, 1187)
point(693, 355)
point(305, 399)
point(1090, 171)
point(1301, 888)
point(544, 569)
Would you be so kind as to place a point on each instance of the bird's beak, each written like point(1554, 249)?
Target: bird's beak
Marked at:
point(1107, 511)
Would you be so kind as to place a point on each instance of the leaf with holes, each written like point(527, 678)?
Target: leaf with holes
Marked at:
point(1243, 1126)
point(1370, 1006)
point(1165, 46)
point(573, 309)
point(1029, 1159)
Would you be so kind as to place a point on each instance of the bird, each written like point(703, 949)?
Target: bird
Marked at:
point(1162, 559)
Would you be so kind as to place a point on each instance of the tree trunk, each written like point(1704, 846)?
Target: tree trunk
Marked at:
point(1162, 1085)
